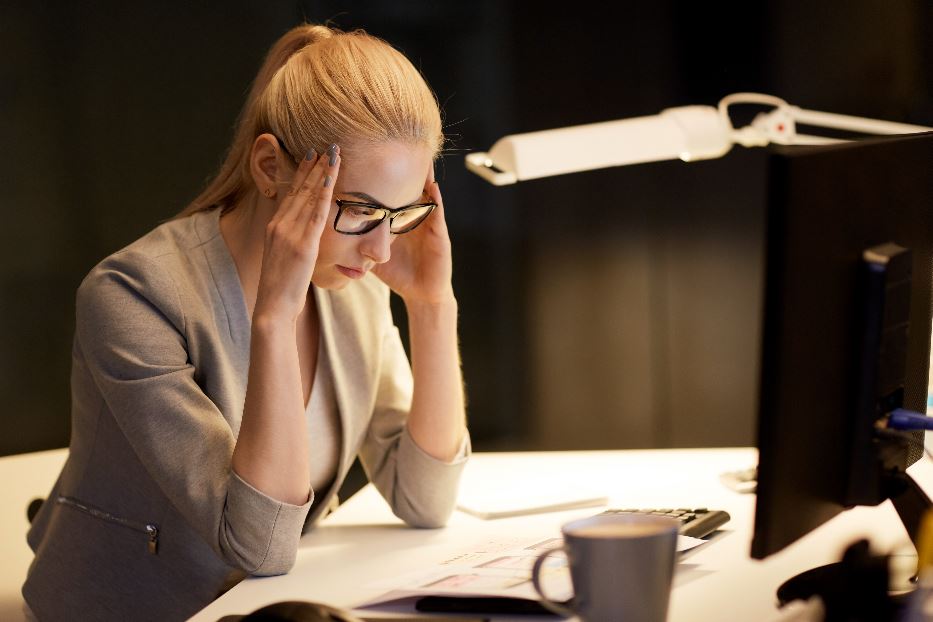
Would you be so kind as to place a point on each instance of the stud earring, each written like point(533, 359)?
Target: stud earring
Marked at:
point(269, 192)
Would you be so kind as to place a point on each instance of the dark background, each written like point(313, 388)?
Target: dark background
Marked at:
point(608, 309)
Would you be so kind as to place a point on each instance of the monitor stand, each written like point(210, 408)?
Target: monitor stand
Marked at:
point(861, 585)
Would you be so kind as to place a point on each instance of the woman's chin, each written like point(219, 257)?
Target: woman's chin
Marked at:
point(334, 281)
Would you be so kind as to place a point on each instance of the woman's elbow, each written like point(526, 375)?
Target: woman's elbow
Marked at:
point(278, 566)
point(260, 555)
point(426, 517)
point(272, 563)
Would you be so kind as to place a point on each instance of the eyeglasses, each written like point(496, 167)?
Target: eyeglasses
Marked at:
point(356, 218)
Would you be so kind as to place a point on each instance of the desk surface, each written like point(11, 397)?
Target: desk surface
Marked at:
point(23, 477)
point(362, 543)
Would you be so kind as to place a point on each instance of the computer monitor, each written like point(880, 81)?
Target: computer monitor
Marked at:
point(846, 332)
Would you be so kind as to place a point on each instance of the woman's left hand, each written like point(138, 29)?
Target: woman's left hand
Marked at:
point(420, 268)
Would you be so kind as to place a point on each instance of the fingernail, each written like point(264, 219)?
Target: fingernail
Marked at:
point(328, 180)
point(310, 154)
point(332, 150)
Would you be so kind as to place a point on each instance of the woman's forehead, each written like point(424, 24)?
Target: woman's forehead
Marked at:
point(392, 174)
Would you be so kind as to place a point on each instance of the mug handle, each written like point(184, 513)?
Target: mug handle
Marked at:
point(546, 602)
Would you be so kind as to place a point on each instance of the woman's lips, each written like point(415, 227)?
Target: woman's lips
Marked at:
point(353, 273)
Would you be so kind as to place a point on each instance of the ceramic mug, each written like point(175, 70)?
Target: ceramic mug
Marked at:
point(621, 566)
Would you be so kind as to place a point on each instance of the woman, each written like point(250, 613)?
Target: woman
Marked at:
point(229, 365)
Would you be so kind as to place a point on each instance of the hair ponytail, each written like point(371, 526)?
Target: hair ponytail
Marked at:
point(319, 85)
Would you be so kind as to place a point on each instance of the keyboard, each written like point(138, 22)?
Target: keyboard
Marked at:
point(696, 523)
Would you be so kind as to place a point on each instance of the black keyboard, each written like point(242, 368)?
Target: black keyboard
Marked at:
point(696, 523)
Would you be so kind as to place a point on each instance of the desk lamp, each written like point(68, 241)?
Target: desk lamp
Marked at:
point(687, 132)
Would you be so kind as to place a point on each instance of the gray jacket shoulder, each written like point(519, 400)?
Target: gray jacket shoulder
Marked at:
point(157, 267)
point(168, 245)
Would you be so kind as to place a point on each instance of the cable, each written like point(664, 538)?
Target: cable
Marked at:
point(901, 419)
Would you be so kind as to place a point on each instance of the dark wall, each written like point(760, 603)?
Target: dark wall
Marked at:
point(615, 308)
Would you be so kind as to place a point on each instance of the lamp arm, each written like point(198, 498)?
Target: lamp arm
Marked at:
point(779, 125)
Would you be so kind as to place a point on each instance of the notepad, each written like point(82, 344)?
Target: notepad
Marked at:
point(506, 509)
point(491, 503)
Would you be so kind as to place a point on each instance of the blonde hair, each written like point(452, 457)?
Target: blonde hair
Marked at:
point(319, 85)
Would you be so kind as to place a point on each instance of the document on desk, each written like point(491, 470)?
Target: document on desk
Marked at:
point(505, 507)
point(519, 494)
point(488, 568)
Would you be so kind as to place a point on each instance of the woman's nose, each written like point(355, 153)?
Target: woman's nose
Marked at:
point(377, 244)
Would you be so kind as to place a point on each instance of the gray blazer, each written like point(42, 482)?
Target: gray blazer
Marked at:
point(147, 521)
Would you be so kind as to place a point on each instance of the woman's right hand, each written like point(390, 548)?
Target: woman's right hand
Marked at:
point(293, 237)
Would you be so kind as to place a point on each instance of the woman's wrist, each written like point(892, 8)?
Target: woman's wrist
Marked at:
point(432, 305)
point(267, 323)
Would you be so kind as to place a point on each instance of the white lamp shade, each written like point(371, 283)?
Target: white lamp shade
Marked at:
point(688, 132)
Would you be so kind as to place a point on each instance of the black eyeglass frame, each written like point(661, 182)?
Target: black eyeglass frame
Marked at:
point(387, 212)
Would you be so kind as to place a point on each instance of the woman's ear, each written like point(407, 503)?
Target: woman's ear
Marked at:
point(267, 163)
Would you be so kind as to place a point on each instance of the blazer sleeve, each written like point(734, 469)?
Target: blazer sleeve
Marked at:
point(420, 489)
point(130, 327)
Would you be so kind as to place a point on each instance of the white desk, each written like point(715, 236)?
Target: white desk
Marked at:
point(23, 477)
point(362, 542)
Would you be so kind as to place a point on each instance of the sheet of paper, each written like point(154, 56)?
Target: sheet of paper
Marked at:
point(488, 568)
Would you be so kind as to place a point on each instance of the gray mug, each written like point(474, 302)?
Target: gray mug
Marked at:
point(621, 566)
